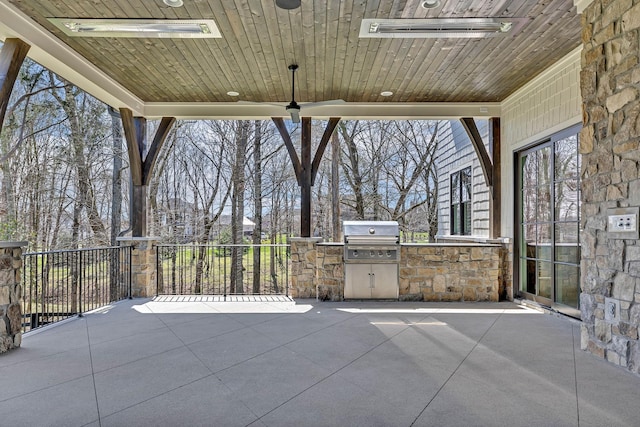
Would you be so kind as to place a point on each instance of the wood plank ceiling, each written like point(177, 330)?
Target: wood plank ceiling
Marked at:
point(260, 40)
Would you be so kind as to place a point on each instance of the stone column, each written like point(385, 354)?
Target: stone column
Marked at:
point(143, 265)
point(10, 295)
point(610, 148)
point(303, 266)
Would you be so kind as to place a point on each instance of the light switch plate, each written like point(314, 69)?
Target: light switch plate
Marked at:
point(622, 223)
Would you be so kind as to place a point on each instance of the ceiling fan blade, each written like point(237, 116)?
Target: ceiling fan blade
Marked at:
point(260, 103)
point(323, 103)
point(293, 108)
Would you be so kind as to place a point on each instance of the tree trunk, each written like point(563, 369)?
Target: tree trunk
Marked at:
point(8, 210)
point(85, 188)
point(116, 181)
point(335, 188)
point(237, 208)
point(116, 206)
point(353, 174)
point(257, 204)
point(202, 251)
point(75, 272)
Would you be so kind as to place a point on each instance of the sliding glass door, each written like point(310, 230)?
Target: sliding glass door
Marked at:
point(549, 222)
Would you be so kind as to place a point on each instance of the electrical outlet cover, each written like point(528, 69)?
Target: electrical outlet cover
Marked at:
point(611, 310)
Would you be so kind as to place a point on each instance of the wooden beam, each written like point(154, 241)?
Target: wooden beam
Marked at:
point(305, 178)
point(305, 169)
point(293, 155)
point(485, 161)
point(131, 137)
point(326, 136)
point(496, 194)
point(135, 129)
point(11, 58)
point(158, 140)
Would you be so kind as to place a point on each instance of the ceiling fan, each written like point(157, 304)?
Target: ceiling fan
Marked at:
point(293, 108)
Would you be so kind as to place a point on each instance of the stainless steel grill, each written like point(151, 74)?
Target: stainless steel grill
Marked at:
point(371, 256)
point(366, 241)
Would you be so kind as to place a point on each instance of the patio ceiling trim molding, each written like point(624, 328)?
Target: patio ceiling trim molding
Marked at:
point(50, 52)
point(372, 110)
point(581, 5)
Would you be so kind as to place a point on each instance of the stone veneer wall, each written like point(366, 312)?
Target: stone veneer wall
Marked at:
point(143, 265)
point(430, 272)
point(10, 294)
point(450, 272)
point(330, 271)
point(610, 147)
point(505, 291)
point(303, 267)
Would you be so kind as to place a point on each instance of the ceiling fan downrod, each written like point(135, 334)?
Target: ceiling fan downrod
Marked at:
point(293, 108)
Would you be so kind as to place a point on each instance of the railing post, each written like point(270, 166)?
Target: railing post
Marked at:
point(224, 276)
point(158, 267)
point(287, 261)
point(130, 256)
point(79, 266)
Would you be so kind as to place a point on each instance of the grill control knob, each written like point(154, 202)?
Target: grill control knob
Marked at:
point(355, 254)
point(372, 230)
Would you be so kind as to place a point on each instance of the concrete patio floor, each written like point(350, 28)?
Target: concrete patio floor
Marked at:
point(310, 363)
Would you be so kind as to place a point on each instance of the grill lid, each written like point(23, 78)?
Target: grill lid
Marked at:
point(374, 230)
point(371, 240)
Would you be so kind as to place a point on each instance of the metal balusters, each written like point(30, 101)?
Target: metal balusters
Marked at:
point(61, 284)
point(206, 269)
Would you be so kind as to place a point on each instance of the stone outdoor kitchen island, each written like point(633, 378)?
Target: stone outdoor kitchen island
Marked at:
point(427, 272)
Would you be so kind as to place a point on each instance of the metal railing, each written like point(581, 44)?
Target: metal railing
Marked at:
point(61, 284)
point(223, 269)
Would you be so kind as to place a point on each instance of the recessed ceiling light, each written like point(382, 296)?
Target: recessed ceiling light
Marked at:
point(138, 28)
point(430, 4)
point(288, 4)
point(386, 93)
point(173, 3)
point(440, 27)
point(233, 93)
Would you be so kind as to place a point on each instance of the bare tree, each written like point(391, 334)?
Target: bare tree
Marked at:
point(81, 115)
point(257, 204)
point(335, 188)
point(208, 173)
point(413, 144)
point(351, 167)
point(237, 206)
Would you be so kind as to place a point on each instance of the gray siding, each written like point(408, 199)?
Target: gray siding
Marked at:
point(456, 152)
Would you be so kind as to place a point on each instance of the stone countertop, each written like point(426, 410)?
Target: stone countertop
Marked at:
point(433, 245)
point(453, 244)
point(10, 244)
